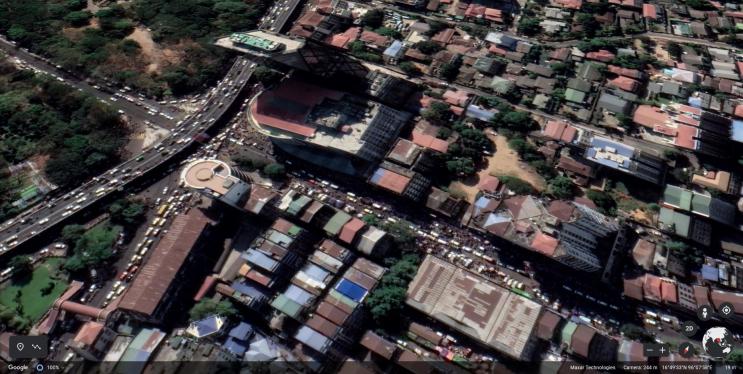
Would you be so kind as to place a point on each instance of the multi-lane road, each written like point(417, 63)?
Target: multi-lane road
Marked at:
point(15, 232)
point(137, 107)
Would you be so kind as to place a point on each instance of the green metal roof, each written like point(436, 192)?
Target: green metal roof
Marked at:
point(575, 96)
point(297, 205)
point(700, 204)
point(333, 227)
point(295, 230)
point(254, 41)
point(342, 298)
point(286, 305)
point(677, 197)
point(567, 333)
point(675, 221)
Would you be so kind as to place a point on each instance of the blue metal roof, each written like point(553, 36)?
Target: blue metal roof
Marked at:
point(474, 111)
point(235, 347)
point(243, 331)
point(394, 49)
point(206, 326)
point(351, 290)
point(737, 131)
point(710, 273)
point(298, 295)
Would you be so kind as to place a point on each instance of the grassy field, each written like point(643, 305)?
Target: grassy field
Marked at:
point(34, 303)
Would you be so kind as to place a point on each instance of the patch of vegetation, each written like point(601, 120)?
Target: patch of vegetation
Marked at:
point(39, 116)
point(358, 50)
point(93, 248)
point(373, 18)
point(427, 47)
point(127, 212)
point(25, 300)
point(517, 185)
point(387, 301)
point(274, 170)
point(409, 68)
point(604, 202)
point(691, 256)
point(529, 26)
point(208, 307)
point(561, 187)
point(184, 26)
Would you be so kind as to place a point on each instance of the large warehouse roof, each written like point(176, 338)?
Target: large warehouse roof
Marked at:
point(475, 306)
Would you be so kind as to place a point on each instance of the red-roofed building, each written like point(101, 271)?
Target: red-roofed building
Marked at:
point(649, 11)
point(374, 40)
point(579, 172)
point(650, 116)
point(686, 137)
point(350, 230)
point(458, 98)
point(286, 107)
point(561, 210)
point(560, 130)
point(601, 55)
point(632, 73)
point(443, 37)
point(652, 288)
point(343, 39)
point(497, 51)
point(390, 180)
point(568, 4)
point(739, 111)
point(424, 135)
point(544, 244)
point(475, 11)
point(668, 291)
point(306, 24)
point(624, 83)
point(494, 15)
point(739, 64)
point(690, 110)
point(490, 184)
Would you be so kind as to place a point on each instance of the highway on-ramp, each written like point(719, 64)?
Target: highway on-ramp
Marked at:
point(15, 232)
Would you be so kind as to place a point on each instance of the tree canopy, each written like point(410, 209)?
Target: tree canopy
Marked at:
point(207, 307)
point(561, 187)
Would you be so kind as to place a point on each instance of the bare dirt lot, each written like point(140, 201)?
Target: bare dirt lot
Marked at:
point(504, 161)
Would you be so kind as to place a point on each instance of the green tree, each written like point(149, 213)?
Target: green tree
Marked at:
point(409, 68)
point(517, 185)
point(78, 18)
point(437, 113)
point(275, 170)
point(450, 70)
point(388, 32)
point(561, 187)
point(207, 307)
point(126, 212)
point(373, 18)
point(402, 234)
point(72, 233)
point(266, 75)
point(427, 47)
point(529, 26)
point(21, 265)
point(604, 201)
point(461, 166)
point(387, 301)
point(370, 219)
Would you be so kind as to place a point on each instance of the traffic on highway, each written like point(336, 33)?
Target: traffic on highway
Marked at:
point(16, 231)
